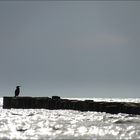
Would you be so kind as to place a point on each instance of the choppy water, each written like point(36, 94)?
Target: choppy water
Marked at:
point(67, 124)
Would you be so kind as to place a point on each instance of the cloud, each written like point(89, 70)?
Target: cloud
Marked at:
point(109, 39)
point(103, 40)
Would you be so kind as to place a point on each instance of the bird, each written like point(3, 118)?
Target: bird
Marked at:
point(17, 91)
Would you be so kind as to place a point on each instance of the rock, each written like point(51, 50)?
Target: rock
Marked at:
point(57, 103)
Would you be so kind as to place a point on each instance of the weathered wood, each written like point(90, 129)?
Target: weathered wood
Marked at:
point(57, 103)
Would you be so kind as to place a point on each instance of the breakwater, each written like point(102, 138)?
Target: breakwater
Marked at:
point(57, 103)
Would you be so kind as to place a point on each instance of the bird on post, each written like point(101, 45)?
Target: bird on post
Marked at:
point(17, 91)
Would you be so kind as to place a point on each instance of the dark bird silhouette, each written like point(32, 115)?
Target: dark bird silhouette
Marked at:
point(17, 91)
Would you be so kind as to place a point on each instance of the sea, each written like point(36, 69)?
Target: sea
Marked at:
point(68, 124)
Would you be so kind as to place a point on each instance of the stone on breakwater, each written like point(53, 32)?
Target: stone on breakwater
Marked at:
point(55, 97)
point(57, 103)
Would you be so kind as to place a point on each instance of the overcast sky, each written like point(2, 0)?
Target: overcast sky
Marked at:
point(71, 49)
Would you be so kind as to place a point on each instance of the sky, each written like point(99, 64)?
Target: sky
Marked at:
point(70, 48)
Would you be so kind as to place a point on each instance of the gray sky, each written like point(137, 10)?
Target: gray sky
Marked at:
point(71, 49)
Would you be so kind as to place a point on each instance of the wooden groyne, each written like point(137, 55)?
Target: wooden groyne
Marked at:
point(57, 103)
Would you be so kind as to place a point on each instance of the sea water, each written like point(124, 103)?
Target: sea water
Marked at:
point(68, 124)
